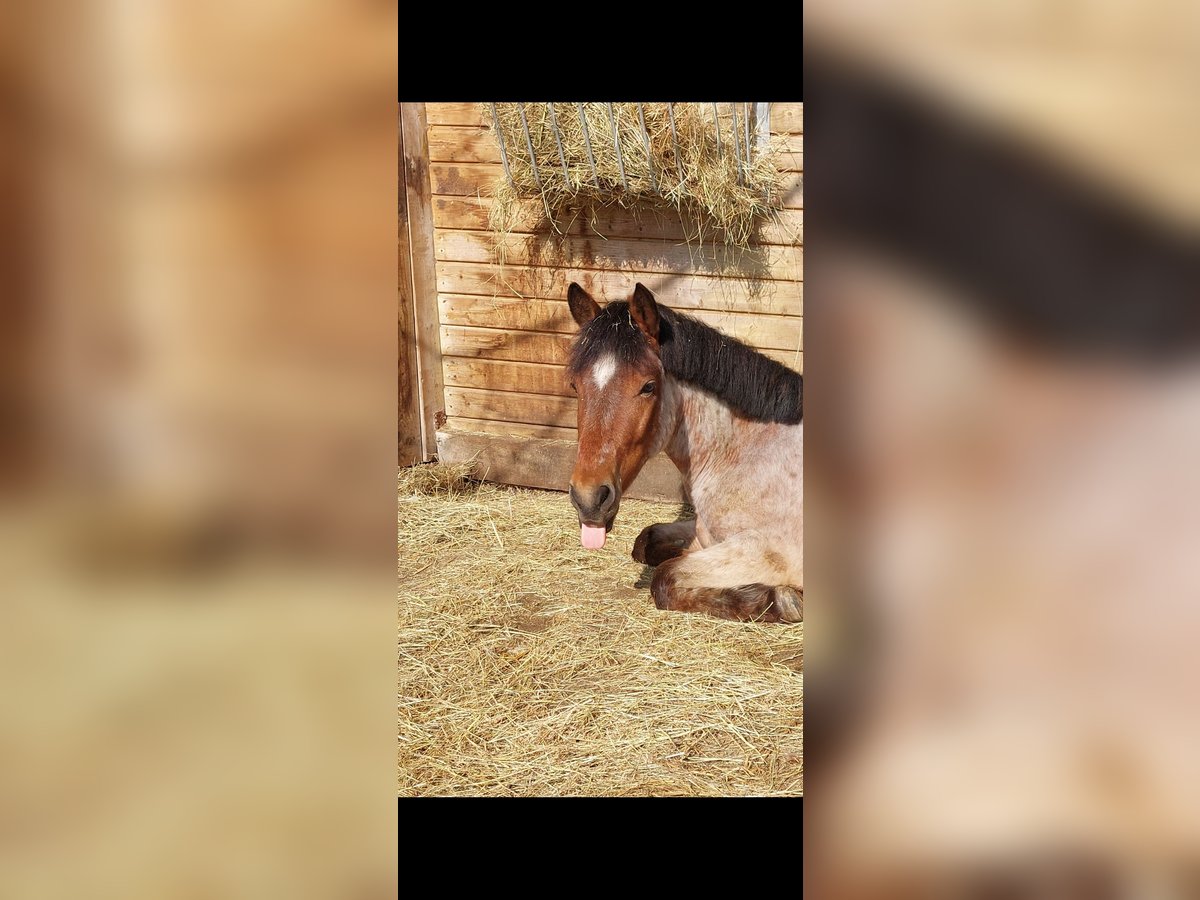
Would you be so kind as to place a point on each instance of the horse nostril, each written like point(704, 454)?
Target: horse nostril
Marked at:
point(589, 504)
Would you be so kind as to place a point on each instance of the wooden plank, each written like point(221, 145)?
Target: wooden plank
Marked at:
point(502, 375)
point(547, 464)
point(409, 447)
point(511, 429)
point(763, 332)
point(793, 190)
point(540, 347)
point(789, 152)
point(453, 143)
point(471, 214)
point(465, 179)
point(518, 346)
point(791, 359)
point(618, 254)
point(511, 406)
point(462, 114)
point(790, 161)
point(513, 313)
point(424, 269)
point(682, 291)
point(789, 143)
point(787, 118)
point(772, 332)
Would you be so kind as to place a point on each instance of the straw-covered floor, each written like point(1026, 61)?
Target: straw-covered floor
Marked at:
point(530, 666)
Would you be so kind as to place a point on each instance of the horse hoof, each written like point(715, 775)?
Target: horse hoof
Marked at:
point(640, 545)
point(789, 603)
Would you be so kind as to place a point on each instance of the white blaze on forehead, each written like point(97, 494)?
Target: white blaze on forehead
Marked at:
point(604, 370)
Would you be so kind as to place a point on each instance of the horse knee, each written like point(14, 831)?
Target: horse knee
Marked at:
point(656, 544)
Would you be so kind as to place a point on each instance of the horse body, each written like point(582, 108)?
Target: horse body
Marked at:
point(650, 380)
point(745, 481)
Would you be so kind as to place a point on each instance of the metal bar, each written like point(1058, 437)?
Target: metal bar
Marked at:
point(529, 145)
point(717, 122)
point(617, 143)
point(500, 137)
point(587, 142)
point(558, 140)
point(675, 140)
point(737, 145)
point(762, 116)
point(649, 158)
point(533, 161)
point(746, 125)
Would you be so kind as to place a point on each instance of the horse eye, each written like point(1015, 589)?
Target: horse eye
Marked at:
point(573, 387)
point(647, 388)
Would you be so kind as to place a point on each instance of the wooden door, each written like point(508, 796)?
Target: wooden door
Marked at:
point(408, 423)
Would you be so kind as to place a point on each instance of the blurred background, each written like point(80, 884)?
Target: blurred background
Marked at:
point(1003, 341)
point(197, 452)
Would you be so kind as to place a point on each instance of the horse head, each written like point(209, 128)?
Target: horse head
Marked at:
point(615, 370)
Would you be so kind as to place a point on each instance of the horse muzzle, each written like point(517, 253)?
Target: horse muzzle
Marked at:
point(597, 508)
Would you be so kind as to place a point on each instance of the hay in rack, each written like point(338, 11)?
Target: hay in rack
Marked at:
point(702, 160)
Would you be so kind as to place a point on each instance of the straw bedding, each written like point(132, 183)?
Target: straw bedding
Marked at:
point(530, 666)
point(703, 169)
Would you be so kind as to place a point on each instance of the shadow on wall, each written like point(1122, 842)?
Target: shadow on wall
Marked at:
point(579, 241)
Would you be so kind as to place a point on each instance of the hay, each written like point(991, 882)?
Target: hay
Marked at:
point(529, 666)
point(436, 479)
point(702, 182)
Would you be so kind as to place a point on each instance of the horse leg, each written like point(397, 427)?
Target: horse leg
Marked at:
point(658, 543)
point(730, 580)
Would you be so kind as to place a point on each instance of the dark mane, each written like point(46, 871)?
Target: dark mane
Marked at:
point(613, 333)
point(753, 385)
point(1045, 253)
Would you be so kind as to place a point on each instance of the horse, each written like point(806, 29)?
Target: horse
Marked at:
point(650, 379)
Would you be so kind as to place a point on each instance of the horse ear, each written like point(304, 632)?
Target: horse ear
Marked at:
point(644, 311)
point(583, 307)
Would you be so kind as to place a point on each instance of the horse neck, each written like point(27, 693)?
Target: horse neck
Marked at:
point(692, 425)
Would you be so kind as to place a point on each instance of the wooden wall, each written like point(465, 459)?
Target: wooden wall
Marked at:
point(504, 330)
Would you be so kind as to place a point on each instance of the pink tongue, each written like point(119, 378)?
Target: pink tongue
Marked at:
point(592, 536)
